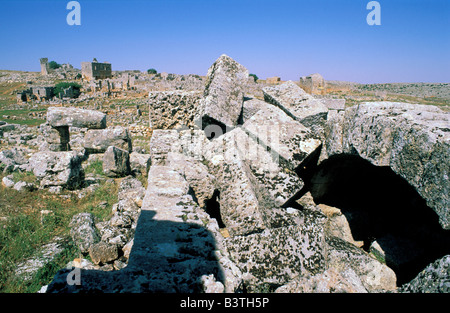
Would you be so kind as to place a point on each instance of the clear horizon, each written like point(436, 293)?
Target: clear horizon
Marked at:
point(283, 38)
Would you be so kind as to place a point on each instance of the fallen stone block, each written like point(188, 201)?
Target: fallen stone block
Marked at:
point(282, 134)
point(173, 236)
point(8, 181)
point(173, 109)
point(140, 162)
point(334, 104)
point(56, 138)
point(83, 231)
point(297, 103)
point(330, 281)
point(375, 276)
point(74, 117)
point(251, 183)
point(224, 93)
point(161, 143)
point(102, 253)
point(278, 255)
point(116, 162)
point(98, 140)
point(250, 108)
point(433, 279)
point(57, 168)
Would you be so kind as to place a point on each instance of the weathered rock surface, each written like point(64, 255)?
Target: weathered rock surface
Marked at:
point(83, 231)
point(173, 248)
point(374, 276)
point(140, 162)
point(98, 140)
point(413, 140)
point(173, 109)
point(282, 134)
point(25, 270)
point(278, 255)
point(224, 93)
point(102, 253)
point(161, 143)
point(330, 281)
point(69, 116)
point(57, 168)
point(250, 107)
point(298, 104)
point(8, 181)
point(116, 162)
point(12, 158)
point(251, 182)
point(435, 278)
point(56, 138)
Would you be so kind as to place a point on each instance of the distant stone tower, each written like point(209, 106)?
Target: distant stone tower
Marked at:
point(44, 66)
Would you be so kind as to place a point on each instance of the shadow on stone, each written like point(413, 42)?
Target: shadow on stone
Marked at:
point(167, 257)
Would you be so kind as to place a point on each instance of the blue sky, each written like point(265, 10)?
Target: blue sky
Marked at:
point(286, 38)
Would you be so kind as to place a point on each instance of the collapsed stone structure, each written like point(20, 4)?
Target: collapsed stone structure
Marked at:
point(286, 195)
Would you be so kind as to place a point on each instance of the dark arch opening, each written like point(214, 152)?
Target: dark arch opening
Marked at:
point(381, 206)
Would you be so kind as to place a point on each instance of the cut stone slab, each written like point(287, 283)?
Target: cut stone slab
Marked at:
point(183, 151)
point(197, 175)
point(278, 255)
point(274, 129)
point(297, 103)
point(98, 140)
point(224, 93)
point(334, 104)
point(171, 239)
point(239, 205)
point(174, 246)
point(188, 143)
point(330, 281)
point(74, 117)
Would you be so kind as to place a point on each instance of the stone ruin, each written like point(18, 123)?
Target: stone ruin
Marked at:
point(95, 70)
point(45, 69)
point(314, 84)
point(283, 195)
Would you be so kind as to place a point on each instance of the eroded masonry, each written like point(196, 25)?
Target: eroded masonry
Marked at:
point(286, 192)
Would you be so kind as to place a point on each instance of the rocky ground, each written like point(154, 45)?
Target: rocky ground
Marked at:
point(227, 185)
